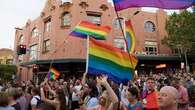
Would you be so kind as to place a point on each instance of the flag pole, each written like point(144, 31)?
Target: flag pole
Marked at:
point(123, 35)
point(87, 56)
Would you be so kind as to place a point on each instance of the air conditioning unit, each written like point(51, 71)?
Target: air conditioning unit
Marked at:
point(66, 1)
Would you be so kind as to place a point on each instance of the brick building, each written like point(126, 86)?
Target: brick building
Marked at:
point(48, 42)
point(6, 56)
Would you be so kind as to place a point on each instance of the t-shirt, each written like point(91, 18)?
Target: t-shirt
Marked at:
point(7, 108)
point(34, 101)
point(16, 106)
point(74, 94)
point(183, 95)
point(92, 102)
point(152, 101)
point(137, 106)
point(23, 103)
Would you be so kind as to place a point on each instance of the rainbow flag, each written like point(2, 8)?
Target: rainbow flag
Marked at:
point(53, 74)
point(85, 28)
point(164, 4)
point(109, 60)
point(130, 36)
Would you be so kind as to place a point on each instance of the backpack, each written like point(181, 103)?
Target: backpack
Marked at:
point(39, 102)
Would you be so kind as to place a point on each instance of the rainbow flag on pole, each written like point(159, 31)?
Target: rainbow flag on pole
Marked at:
point(164, 4)
point(85, 28)
point(109, 60)
point(53, 74)
point(130, 36)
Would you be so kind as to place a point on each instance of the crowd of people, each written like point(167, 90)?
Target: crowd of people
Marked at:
point(160, 91)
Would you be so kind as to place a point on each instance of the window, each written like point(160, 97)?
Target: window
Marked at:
point(151, 48)
point(120, 43)
point(33, 52)
point(94, 17)
point(66, 19)
point(117, 24)
point(9, 61)
point(35, 32)
point(21, 40)
point(46, 45)
point(149, 26)
point(48, 25)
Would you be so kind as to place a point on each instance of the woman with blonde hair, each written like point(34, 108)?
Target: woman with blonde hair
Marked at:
point(59, 101)
point(107, 101)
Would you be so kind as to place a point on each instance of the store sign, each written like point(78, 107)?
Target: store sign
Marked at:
point(161, 66)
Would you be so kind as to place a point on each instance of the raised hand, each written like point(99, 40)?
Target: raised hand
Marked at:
point(102, 80)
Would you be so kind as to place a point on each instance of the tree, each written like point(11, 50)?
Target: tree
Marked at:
point(193, 9)
point(6, 71)
point(180, 31)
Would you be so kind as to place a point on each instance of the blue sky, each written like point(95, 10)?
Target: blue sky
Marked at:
point(15, 13)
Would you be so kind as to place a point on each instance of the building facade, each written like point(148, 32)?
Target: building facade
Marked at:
point(49, 44)
point(6, 56)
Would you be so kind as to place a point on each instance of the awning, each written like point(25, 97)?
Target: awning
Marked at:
point(140, 57)
point(159, 57)
point(39, 62)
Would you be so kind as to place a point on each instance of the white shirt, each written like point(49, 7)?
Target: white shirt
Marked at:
point(74, 94)
point(124, 100)
point(34, 100)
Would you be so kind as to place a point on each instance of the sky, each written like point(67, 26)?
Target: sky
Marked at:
point(15, 13)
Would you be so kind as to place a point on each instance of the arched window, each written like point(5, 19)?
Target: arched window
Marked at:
point(149, 26)
point(66, 19)
point(35, 32)
point(21, 39)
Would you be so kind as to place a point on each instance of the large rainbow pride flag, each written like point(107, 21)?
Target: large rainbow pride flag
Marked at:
point(53, 74)
point(130, 36)
point(164, 4)
point(85, 28)
point(105, 59)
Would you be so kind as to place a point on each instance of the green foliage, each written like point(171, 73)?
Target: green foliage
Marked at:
point(181, 31)
point(193, 9)
point(6, 71)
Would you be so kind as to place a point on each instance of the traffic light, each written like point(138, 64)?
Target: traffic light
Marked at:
point(21, 49)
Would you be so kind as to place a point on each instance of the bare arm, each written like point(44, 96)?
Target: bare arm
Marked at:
point(52, 102)
point(111, 93)
point(50, 90)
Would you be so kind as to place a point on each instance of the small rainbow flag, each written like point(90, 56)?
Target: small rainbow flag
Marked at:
point(85, 28)
point(109, 60)
point(164, 4)
point(130, 36)
point(53, 74)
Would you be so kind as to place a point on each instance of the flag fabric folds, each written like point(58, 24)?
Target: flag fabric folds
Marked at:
point(53, 74)
point(85, 28)
point(105, 59)
point(130, 36)
point(164, 4)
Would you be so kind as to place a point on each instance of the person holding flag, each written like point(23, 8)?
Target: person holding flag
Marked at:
point(150, 99)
